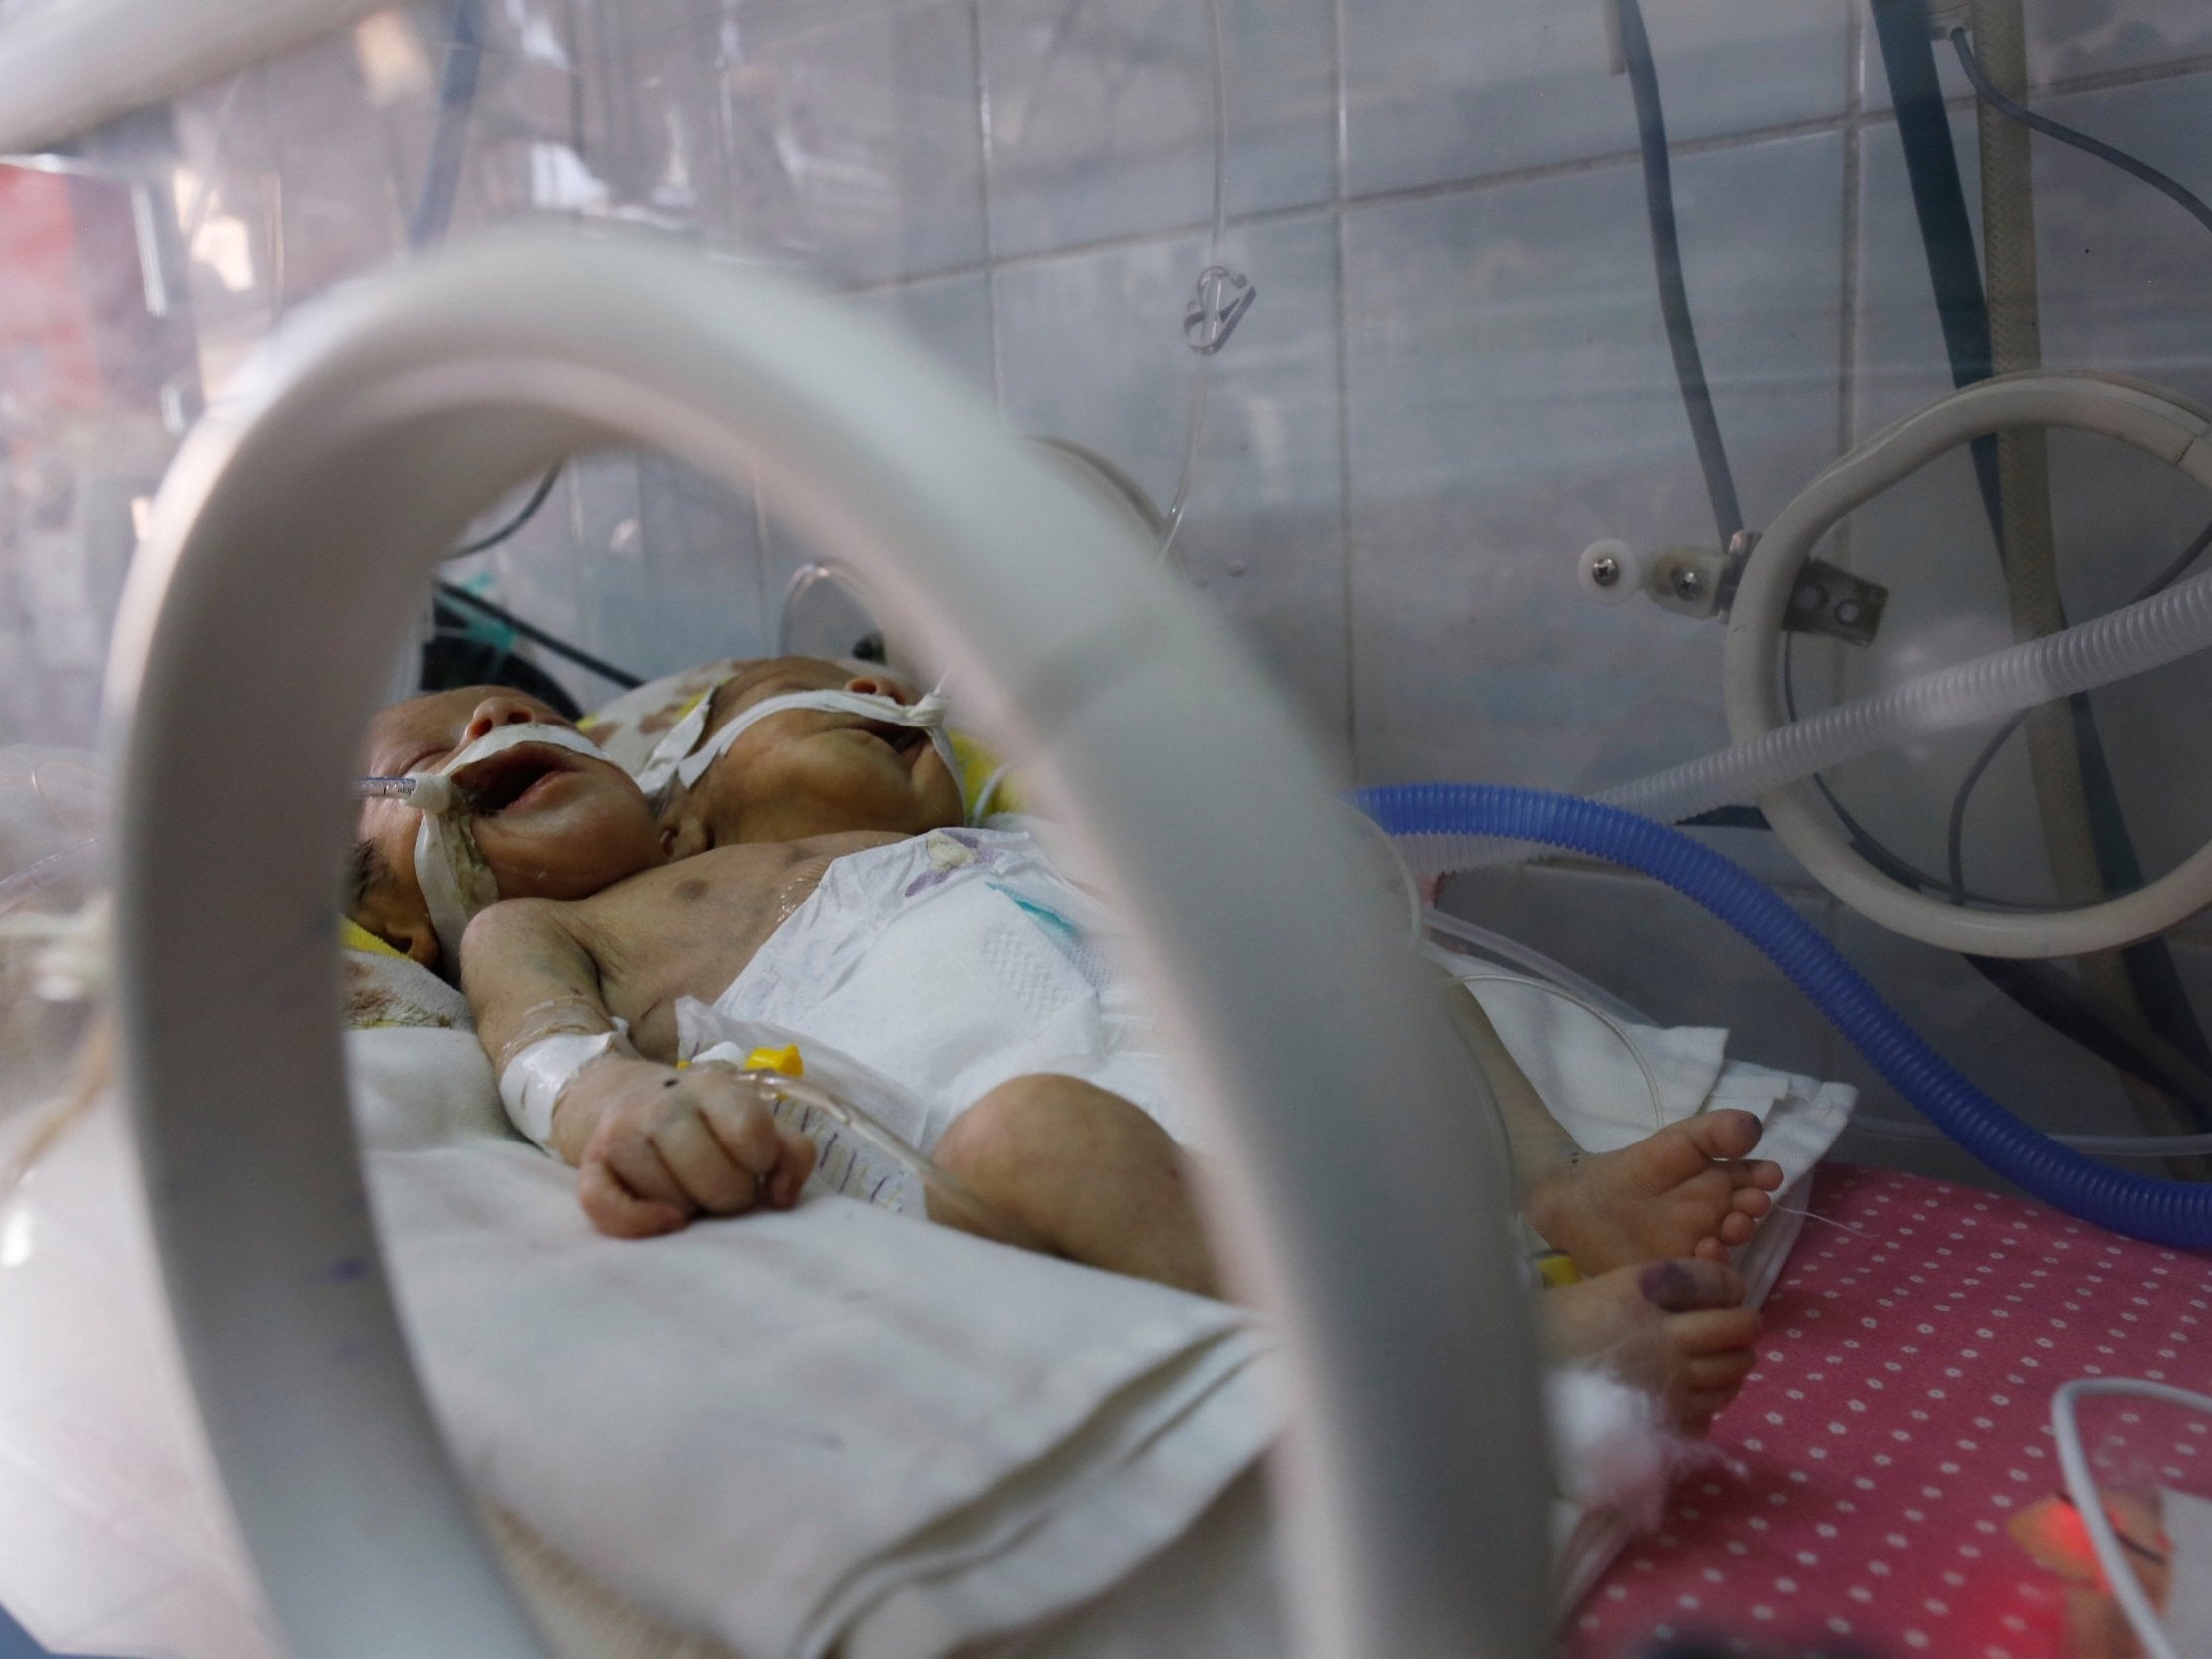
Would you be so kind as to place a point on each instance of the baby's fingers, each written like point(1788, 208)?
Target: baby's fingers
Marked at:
point(747, 1132)
point(617, 1211)
point(710, 1176)
point(792, 1168)
point(777, 1159)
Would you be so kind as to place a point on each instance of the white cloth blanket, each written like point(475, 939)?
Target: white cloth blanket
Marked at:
point(919, 1442)
point(831, 1429)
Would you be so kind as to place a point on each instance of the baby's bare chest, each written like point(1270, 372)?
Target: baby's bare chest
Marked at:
point(690, 929)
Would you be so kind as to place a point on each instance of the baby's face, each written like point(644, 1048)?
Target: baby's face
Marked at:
point(812, 771)
point(551, 823)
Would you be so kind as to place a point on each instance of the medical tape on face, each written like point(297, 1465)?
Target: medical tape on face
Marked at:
point(533, 1081)
point(450, 869)
point(683, 756)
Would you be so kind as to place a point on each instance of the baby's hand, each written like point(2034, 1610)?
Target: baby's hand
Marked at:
point(670, 1144)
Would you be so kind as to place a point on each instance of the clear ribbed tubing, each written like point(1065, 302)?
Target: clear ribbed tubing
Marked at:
point(2132, 640)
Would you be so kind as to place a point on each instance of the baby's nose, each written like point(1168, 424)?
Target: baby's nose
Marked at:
point(878, 684)
point(495, 712)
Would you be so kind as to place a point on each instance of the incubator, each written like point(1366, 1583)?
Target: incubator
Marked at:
point(1721, 487)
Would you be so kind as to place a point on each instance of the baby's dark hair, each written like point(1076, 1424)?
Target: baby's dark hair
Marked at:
point(370, 870)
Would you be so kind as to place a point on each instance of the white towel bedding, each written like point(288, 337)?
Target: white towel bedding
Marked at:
point(843, 1430)
point(797, 1431)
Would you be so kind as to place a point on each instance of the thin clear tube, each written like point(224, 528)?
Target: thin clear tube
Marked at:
point(1194, 423)
point(1651, 1080)
point(1516, 954)
point(951, 1198)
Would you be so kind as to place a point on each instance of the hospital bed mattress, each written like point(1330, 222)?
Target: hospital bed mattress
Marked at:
point(1869, 1485)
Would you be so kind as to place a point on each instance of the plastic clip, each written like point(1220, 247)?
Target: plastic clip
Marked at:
point(1218, 300)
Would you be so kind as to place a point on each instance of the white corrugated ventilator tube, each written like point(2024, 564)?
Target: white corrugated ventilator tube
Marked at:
point(1772, 755)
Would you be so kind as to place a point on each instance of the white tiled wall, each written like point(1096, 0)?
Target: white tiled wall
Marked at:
point(1511, 400)
point(1101, 114)
point(1440, 91)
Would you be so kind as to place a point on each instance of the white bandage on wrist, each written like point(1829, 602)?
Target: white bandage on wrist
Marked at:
point(533, 1081)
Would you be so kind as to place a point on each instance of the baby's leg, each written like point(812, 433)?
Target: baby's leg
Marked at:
point(1086, 1172)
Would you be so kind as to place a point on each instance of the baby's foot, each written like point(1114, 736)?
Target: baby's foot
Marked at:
point(1688, 1189)
point(1675, 1328)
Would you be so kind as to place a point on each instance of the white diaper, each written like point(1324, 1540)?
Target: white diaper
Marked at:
point(952, 962)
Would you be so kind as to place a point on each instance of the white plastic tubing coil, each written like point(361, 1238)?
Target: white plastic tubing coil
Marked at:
point(2129, 640)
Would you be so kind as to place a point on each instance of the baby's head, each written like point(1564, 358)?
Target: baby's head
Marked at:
point(551, 823)
point(809, 772)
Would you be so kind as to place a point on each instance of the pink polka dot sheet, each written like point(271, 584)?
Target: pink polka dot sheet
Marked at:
point(1889, 1483)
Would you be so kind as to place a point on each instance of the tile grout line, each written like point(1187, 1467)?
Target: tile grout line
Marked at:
point(995, 344)
point(1852, 119)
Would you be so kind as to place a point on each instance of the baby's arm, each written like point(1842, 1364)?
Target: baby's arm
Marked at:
point(655, 1145)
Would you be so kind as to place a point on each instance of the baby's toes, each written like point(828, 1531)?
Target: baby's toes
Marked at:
point(1749, 1200)
point(1736, 1229)
point(1677, 1286)
point(1715, 1381)
point(1708, 1193)
point(1725, 1134)
point(1712, 1250)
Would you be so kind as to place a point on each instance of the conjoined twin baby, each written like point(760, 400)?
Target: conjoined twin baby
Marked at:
point(801, 867)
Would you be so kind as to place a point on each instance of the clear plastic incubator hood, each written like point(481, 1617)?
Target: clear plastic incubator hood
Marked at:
point(1537, 662)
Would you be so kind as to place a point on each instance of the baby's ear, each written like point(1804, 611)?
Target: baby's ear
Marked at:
point(405, 927)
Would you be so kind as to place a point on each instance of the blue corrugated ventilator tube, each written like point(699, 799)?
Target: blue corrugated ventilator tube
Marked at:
point(2163, 1212)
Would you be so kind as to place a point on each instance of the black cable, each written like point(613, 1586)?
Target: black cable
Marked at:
point(1862, 840)
point(1727, 817)
point(1666, 258)
point(537, 635)
point(441, 174)
point(441, 179)
point(1905, 32)
point(528, 509)
point(2113, 1034)
point(1954, 832)
point(456, 656)
point(2191, 203)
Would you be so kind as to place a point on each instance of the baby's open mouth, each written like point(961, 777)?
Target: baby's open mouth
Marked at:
point(902, 741)
point(491, 785)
